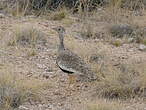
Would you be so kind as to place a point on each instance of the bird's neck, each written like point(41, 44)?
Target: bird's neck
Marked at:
point(61, 45)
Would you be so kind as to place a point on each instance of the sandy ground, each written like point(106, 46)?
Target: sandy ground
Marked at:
point(58, 96)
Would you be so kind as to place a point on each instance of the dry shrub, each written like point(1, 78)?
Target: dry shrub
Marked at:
point(58, 15)
point(121, 30)
point(16, 90)
point(26, 35)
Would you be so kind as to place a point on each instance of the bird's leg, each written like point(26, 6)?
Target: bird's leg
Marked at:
point(71, 81)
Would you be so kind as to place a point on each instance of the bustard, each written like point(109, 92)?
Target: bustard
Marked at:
point(70, 62)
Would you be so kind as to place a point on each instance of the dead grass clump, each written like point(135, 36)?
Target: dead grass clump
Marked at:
point(87, 31)
point(27, 36)
point(58, 15)
point(105, 105)
point(25, 7)
point(128, 4)
point(17, 7)
point(123, 82)
point(2, 5)
point(16, 90)
point(133, 4)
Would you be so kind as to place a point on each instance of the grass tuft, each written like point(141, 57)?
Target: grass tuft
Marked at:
point(26, 35)
point(15, 91)
point(116, 43)
point(59, 15)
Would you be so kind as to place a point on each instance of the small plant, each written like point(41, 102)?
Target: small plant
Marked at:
point(116, 43)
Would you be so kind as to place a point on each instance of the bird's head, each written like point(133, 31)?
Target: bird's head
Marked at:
point(59, 29)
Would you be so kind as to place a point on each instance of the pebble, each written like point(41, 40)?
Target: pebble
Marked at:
point(2, 15)
point(41, 66)
point(23, 108)
point(142, 47)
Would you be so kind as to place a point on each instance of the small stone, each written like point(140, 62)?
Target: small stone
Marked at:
point(2, 15)
point(60, 104)
point(41, 66)
point(50, 106)
point(130, 39)
point(46, 76)
point(23, 108)
point(142, 47)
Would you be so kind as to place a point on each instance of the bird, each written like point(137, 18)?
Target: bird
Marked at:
point(69, 62)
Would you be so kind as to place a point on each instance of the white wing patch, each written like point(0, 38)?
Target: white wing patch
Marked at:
point(68, 69)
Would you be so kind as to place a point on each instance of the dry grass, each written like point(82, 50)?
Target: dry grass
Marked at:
point(68, 22)
point(26, 35)
point(87, 31)
point(105, 105)
point(19, 8)
point(58, 15)
point(129, 4)
point(125, 82)
point(16, 90)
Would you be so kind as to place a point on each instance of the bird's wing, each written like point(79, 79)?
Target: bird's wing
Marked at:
point(69, 61)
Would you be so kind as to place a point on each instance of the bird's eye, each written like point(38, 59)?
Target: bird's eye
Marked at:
point(59, 29)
